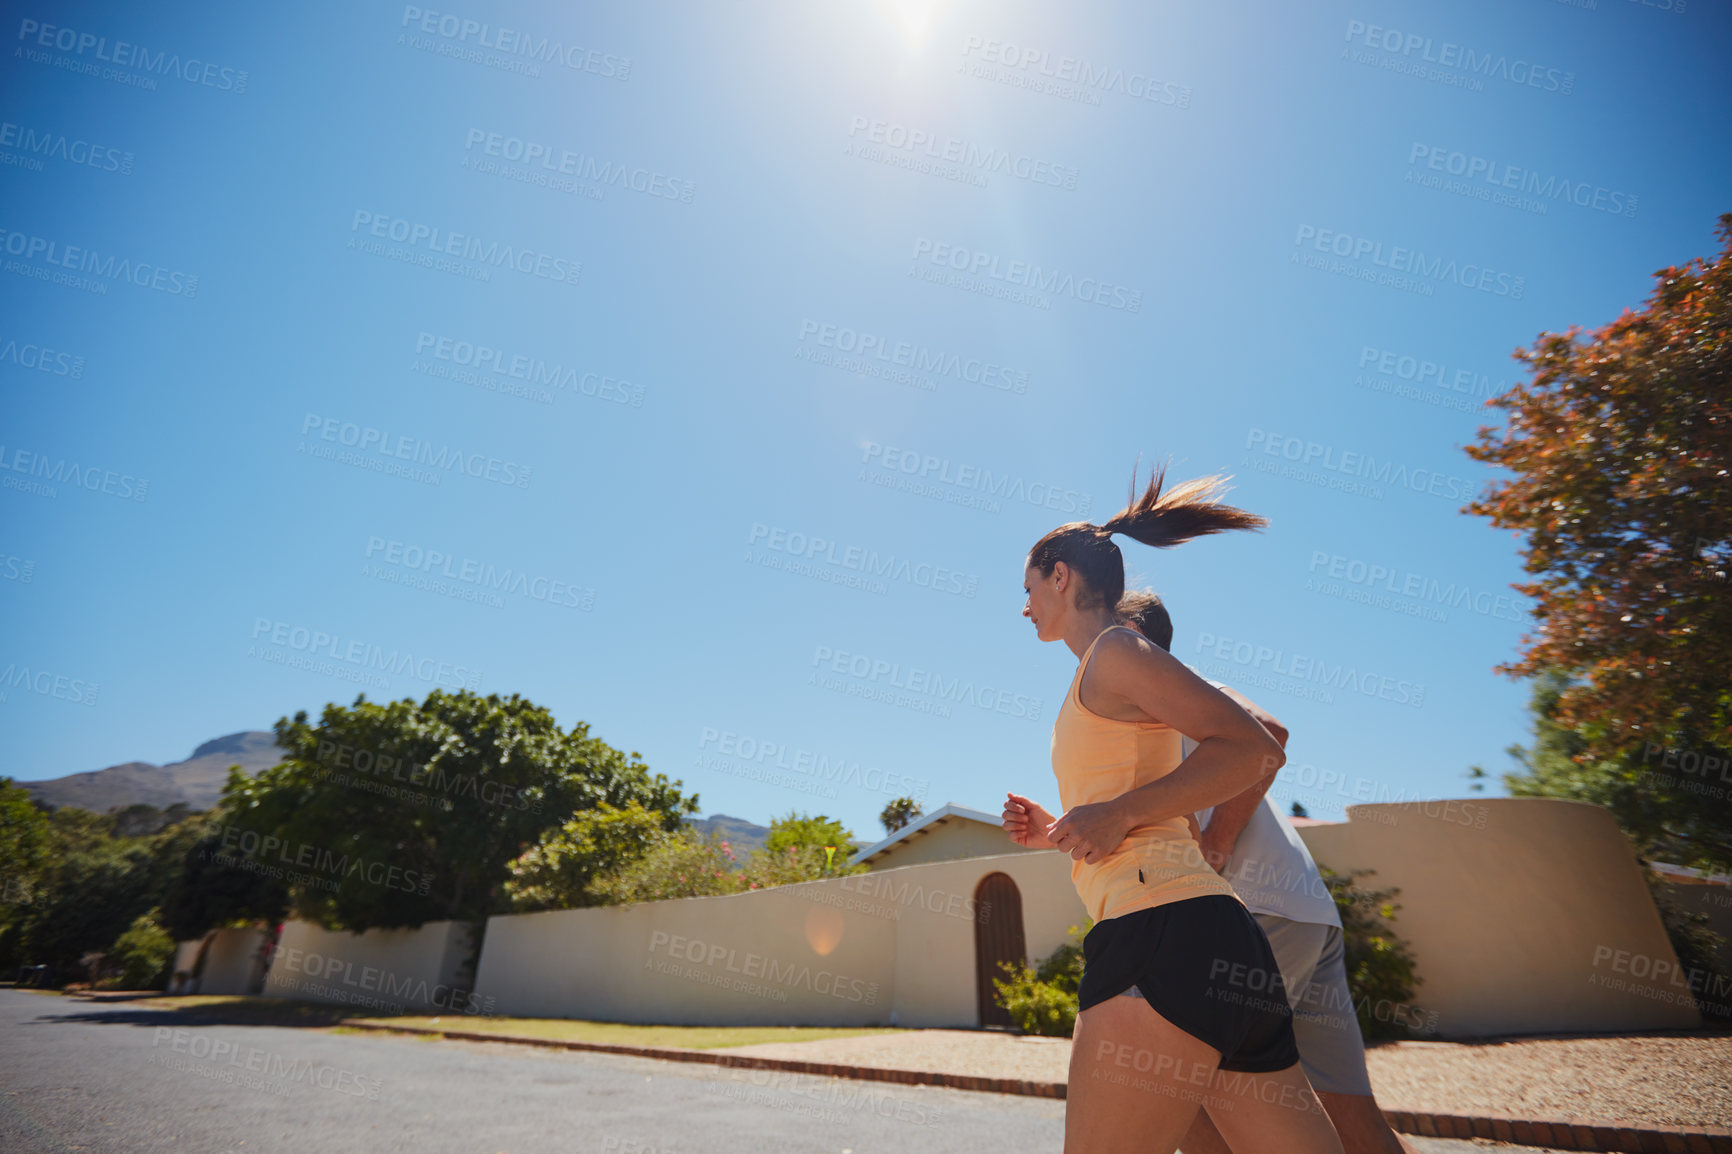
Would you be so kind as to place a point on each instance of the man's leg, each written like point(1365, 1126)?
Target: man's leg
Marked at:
point(1357, 1119)
point(1331, 1048)
point(1362, 1125)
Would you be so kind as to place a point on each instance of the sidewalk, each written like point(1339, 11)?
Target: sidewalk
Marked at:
point(1663, 1092)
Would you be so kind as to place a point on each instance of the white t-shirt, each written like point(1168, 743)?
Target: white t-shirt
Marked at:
point(1271, 870)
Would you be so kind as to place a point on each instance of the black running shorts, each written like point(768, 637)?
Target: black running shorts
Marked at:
point(1204, 965)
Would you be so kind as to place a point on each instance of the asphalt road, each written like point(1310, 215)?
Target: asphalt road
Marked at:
point(78, 1076)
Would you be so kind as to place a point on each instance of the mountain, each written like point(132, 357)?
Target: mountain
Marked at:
point(741, 835)
point(197, 781)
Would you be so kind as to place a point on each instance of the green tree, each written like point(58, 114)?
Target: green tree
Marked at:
point(561, 871)
point(899, 813)
point(141, 820)
point(26, 839)
point(800, 848)
point(208, 892)
point(806, 832)
point(1619, 449)
point(396, 814)
point(1668, 812)
point(94, 886)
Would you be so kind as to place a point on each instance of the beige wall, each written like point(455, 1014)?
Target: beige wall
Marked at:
point(935, 955)
point(233, 964)
point(948, 841)
point(379, 970)
point(890, 946)
point(185, 957)
point(1524, 914)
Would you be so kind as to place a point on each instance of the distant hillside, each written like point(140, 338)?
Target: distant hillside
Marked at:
point(741, 835)
point(197, 781)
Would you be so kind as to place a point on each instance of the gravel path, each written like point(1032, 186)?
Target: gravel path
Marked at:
point(1671, 1079)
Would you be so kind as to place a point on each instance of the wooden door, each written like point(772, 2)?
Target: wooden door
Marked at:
point(997, 938)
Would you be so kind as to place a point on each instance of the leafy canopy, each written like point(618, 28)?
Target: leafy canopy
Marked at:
point(392, 815)
point(1621, 453)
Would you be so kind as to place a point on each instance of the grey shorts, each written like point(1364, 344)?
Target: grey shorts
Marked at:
point(1314, 970)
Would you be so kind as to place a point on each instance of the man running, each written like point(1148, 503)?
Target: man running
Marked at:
point(1252, 845)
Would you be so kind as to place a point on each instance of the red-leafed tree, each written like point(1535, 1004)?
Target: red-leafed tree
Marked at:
point(1620, 446)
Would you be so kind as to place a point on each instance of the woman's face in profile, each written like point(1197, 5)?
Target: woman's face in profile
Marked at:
point(1045, 605)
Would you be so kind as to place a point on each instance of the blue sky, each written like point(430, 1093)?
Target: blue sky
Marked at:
point(687, 369)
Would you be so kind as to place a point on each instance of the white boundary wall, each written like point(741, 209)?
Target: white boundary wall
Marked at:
point(409, 971)
point(233, 964)
point(890, 947)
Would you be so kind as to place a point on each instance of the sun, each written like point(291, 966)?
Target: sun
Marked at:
point(913, 18)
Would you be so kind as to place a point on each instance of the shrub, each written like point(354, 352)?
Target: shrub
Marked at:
point(142, 953)
point(561, 870)
point(1700, 950)
point(1043, 1000)
point(1380, 968)
point(793, 864)
point(682, 865)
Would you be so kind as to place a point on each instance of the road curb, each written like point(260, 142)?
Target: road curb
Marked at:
point(751, 1062)
point(1564, 1134)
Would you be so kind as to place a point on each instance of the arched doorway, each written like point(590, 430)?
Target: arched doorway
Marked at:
point(997, 938)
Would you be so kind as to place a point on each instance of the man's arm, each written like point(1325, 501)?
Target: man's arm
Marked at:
point(1229, 818)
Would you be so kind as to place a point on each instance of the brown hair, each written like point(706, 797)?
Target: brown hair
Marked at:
point(1190, 509)
point(1142, 610)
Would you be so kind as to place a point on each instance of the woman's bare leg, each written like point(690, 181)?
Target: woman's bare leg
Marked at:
point(1203, 1137)
point(1136, 1080)
point(1274, 1113)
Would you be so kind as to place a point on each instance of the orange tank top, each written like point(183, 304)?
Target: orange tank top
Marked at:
point(1097, 759)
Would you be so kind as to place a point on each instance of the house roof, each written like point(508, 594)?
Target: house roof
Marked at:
point(924, 825)
point(950, 812)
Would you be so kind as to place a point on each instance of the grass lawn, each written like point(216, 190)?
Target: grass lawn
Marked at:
point(622, 1034)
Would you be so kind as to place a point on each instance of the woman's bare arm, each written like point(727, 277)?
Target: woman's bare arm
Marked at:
point(1233, 751)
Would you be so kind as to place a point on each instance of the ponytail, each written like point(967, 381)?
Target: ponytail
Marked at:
point(1190, 509)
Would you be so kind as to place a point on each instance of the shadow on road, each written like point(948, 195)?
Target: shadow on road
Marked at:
point(156, 1010)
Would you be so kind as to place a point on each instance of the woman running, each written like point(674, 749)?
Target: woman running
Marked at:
point(1180, 1004)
